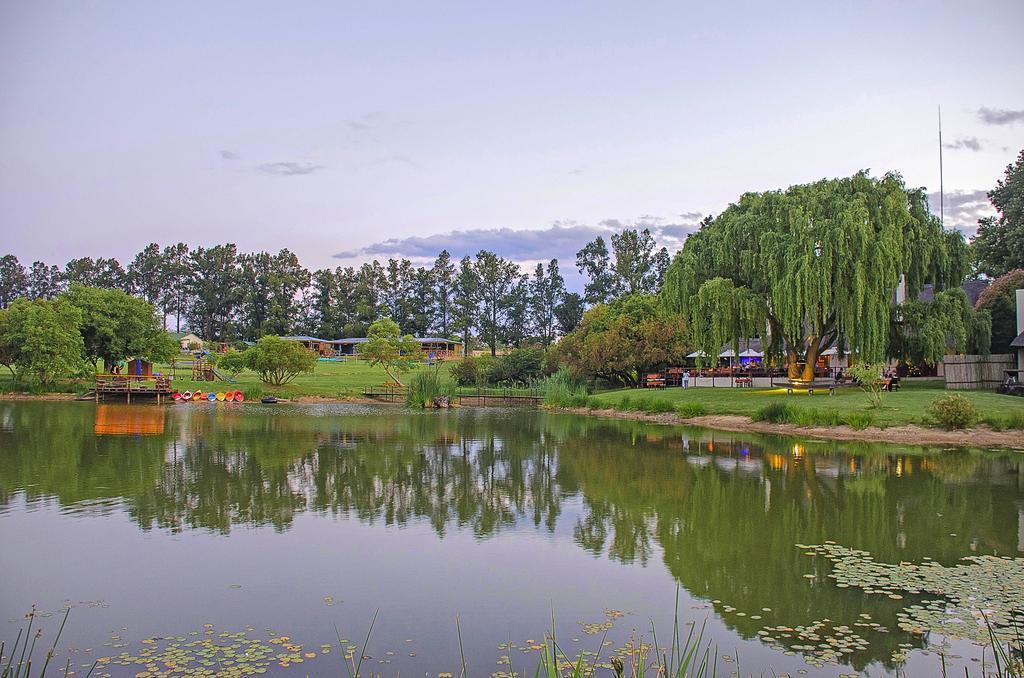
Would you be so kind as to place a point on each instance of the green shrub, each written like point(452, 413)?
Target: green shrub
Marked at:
point(562, 390)
point(579, 400)
point(1015, 420)
point(466, 372)
point(232, 363)
point(689, 410)
point(1011, 421)
point(597, 404)
point(954, 411)
point(253, 392)
point(625, 403)
point(776, 413)
point(653, 405)
point(425, 385)
point(859, 421)
point(815, 417)
point(522, 365)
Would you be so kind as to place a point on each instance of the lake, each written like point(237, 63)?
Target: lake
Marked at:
point(243, 538)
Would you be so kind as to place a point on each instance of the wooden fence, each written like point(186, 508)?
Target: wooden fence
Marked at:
point(974, 372)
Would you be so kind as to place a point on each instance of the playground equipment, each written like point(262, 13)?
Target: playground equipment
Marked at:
point(202, 369)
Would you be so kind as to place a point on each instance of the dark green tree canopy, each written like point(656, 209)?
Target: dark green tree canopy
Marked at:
point(115, 326)
point(999, 300)
point(999, 242)
point(814, 264)
point(621, 341)
point(39, 340)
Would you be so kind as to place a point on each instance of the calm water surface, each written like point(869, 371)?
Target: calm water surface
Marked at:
point(154, 522)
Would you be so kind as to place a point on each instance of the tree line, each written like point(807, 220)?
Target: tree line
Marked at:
point(222, 294)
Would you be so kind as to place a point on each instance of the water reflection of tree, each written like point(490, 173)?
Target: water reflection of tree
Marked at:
point(725, 511)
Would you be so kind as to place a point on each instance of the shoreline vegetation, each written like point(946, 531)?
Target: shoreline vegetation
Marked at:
point(717, 409)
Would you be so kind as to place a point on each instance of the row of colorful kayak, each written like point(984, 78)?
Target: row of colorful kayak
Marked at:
point(222, 396)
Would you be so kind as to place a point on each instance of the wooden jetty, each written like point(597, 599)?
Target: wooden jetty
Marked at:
point(129, 385)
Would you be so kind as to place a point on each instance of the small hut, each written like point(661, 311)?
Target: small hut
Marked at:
point(138, 367)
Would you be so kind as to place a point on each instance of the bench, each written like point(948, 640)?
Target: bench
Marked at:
point(655, 381)
point(814, 385)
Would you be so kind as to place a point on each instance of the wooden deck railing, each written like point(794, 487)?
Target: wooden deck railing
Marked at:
point(128, 384)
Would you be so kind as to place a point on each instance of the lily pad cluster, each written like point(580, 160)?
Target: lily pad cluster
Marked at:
point(975, 594)
point(820, 642)
point(594, 628)
point(206, 653)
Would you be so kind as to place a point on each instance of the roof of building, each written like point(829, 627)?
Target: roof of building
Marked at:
point(437, 340)
point(972, 288)
point(362, 340)
point(1018, 342)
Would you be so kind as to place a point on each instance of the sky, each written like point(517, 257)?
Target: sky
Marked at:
point(351, 131)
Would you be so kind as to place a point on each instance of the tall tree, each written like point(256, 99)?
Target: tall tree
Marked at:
point(496, 277)
point(44, 282)
point(255, 285)
point(146, 275)
point(214, 291)
point(323, 302)
point(13, 280)
point(594, 261)
point(270, 285)
point(101, 272)
point(368, 296)
point(399, 279)
point(176, 275)
point(569, 313)
point(636, 261)
point(815, 264)
point(466, 302)
point(81, 271)
point(999, 242)
point(546, 292)
point(420, 302)
point(517, 304)
point(443, 274)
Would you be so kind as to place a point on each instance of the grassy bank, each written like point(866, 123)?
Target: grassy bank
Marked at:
point(850, 406)
point(328, 380)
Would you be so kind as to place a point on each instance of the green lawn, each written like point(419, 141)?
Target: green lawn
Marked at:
point(329, 379)
point(906, 406)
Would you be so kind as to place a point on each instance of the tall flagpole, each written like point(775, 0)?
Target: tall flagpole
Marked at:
point(942, 193)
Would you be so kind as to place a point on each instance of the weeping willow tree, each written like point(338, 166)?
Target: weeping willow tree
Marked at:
point(814, 265)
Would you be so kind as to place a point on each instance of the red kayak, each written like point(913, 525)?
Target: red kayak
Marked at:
point(239, 396)
point(176, 396)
